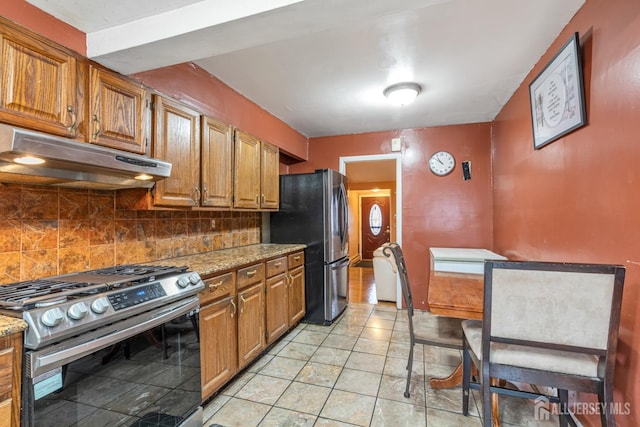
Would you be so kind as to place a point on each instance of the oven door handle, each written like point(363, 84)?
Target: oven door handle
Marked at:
point(41, 361)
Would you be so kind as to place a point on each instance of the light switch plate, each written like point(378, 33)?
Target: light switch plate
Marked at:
point(396, 144)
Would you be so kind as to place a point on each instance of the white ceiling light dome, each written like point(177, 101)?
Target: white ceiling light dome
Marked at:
point(402, 93)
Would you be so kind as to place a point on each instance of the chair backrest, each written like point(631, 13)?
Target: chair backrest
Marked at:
point(393, 250)
point(379, 254)
point(573, 307)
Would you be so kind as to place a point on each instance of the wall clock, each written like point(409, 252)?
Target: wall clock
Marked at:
point(442, 163)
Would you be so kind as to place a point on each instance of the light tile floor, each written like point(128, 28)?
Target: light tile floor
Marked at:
point(353, 373)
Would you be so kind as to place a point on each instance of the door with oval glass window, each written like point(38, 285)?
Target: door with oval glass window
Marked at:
point(374, 224)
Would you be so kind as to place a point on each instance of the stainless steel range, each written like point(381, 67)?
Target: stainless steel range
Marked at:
point(74, 318)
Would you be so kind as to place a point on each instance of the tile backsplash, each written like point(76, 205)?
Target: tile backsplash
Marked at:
point(46, 231)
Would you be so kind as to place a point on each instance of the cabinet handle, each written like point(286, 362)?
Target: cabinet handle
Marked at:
point(204, 192)
point(197, 191)
point(243, 303)
point(235, 309)
point(296, 258)
point(251, 273)
point(277, 264)
point(257, 200)
point(263, 199)
point(74, 119)
point(98, 127)
point(214, 286)
point(289, 280)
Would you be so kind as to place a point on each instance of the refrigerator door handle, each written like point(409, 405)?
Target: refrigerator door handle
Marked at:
point(343, 215)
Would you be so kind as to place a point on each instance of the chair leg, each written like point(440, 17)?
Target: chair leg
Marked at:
point(487, 402)
point(466, 377)
point(563, 408)
point(409, 369)
point(606, 404)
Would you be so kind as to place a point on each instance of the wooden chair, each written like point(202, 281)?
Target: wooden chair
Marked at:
point(554, 325)
point(447, 332)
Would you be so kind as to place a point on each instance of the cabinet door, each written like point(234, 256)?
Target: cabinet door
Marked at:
point(217, 155)
point(217, 345)
point(10, 378)
point(176, 132)
point(296, 295)
point(250, 324)
point(269, 176)
point(38, 86)
point(246, 177)
point(277, 319)
point(117, 117)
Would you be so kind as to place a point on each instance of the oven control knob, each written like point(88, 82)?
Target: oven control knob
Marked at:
point(100, 305)
point(194, 278)
point(52, 317)
point(183, 282)
point(77, 311)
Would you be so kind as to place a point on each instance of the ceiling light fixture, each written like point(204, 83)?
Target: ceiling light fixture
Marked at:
point(402, 93)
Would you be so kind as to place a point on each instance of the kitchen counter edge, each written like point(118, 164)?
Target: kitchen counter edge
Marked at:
point(11, 325)
point(213, 262)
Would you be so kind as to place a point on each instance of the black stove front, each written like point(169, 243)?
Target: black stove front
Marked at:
point(131, 383)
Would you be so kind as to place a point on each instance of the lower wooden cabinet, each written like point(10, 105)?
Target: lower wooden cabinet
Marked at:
point(250, 324)
point(10, 379)
point(296, 309)
point(218, 342)
point(241, 313)
point(277, 318)
point(285, 303)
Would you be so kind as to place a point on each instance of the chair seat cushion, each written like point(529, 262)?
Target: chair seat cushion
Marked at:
point(531, 357)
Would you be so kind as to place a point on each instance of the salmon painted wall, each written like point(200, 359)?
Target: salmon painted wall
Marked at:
point(436, 211)
point(29, 16)
point(578, 198)
point(194, 86)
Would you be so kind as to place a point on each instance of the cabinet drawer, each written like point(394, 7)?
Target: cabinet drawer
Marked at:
point(296, 260)
point(249, 275)
point(276, 266)
point(217, 286)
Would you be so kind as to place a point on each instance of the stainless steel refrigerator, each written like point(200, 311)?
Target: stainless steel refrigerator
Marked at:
point(313, 211)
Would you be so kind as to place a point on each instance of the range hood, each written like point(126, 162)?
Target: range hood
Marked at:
point(69, 163)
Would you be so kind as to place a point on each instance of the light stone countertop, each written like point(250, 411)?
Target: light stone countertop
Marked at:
point(11, 325)
point(205, 264)
point(213, 262)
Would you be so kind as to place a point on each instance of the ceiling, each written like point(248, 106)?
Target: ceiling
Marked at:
point(321, 65)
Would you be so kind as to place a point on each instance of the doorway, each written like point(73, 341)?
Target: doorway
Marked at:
point(372, 176)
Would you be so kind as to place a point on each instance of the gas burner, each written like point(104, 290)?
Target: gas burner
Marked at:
point(134, 270)
point(60, 307)
point(35, 293)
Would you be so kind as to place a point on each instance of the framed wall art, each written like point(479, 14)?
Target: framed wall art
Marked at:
point(557, 96)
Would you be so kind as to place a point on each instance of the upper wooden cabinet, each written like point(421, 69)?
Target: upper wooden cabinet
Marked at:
point(269, 176)
point(118, 112)
point(256, 173)
point(217, 164)
point(246, 177)
point(38, 86)
point(176, 139)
